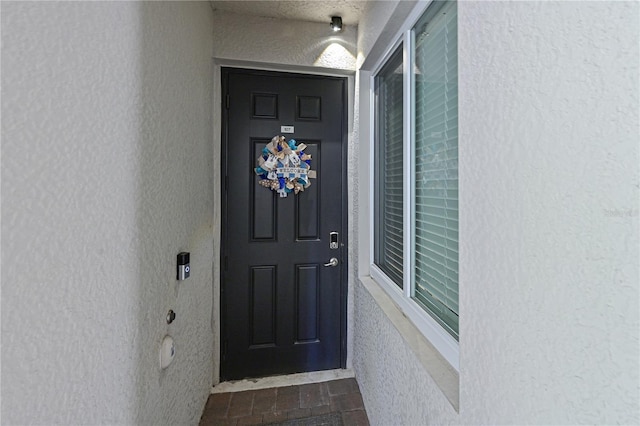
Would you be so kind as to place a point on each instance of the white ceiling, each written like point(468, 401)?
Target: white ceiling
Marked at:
point(299, 10)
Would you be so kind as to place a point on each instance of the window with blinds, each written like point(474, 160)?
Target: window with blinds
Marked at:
point(415, 241)
point(435, 201)
point(388, 196)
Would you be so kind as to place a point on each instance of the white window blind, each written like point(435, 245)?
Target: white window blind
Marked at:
point(435, 203)
point(388, 214)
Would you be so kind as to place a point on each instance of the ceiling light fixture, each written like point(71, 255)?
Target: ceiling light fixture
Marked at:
point(336, 23)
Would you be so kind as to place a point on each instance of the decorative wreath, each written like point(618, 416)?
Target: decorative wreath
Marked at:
point(284, 167)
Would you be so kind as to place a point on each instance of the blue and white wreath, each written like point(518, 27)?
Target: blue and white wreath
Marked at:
point(284, 167)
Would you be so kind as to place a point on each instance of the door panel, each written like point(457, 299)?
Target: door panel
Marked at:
point(283, 311)
point(263, 208)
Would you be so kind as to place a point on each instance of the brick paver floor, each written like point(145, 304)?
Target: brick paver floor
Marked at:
point(306, 403)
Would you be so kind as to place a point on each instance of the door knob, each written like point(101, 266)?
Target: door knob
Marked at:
point(332, 262)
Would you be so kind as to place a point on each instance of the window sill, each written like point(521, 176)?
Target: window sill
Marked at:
point(442, 373)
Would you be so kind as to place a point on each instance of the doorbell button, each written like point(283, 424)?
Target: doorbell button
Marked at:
point(184, 269)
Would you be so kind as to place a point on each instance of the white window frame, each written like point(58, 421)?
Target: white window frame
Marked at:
point(446, 344)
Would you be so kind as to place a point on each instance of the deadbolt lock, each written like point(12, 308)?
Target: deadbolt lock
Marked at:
point(333, 240)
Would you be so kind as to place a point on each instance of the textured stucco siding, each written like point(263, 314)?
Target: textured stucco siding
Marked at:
point(549, 227)
point(285, 43)
point(106, 176)
point(396, 388)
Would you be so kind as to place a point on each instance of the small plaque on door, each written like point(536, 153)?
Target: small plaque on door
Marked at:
point(286, 129)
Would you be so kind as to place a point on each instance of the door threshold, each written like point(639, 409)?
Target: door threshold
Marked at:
point(284, 380)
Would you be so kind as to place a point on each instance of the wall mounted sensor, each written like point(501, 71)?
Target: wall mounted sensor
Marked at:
point(184, 270)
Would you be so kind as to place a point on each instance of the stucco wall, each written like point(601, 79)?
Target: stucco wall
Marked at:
point(106, 164)
point(285, 43)
point(549, 213)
